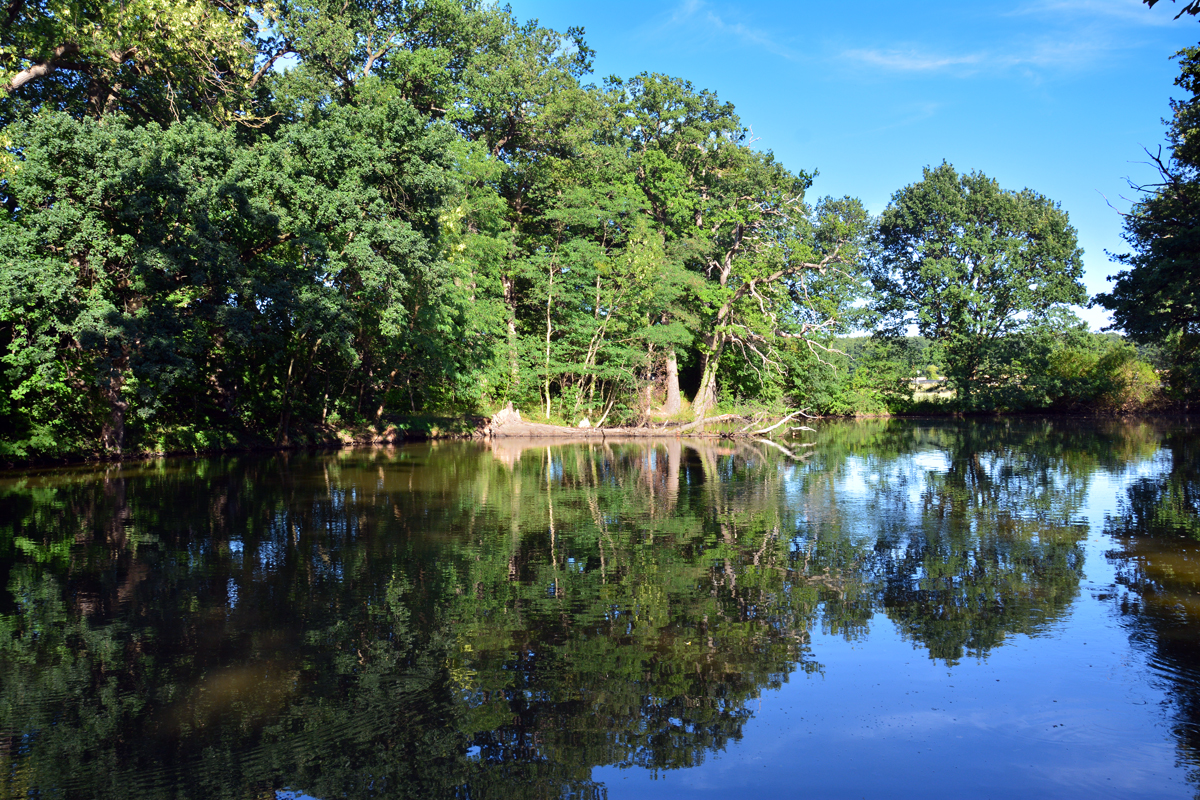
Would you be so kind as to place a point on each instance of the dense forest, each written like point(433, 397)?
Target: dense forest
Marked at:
point(233, 223)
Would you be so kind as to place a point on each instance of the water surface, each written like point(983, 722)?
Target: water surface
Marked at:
point(887, 607)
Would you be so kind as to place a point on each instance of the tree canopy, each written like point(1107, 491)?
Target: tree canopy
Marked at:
point(1156, 298)
point(1159, 292)
point(967, 263)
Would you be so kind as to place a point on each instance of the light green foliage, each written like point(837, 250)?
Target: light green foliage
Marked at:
point(857, 376)
point(965, 261)
point(153, 59)
point(1055, 363)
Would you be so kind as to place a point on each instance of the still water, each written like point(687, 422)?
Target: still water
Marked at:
point(886, 608)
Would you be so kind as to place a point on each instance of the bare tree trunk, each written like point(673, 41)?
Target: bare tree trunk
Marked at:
point(674, 460)
point(383, 398)
point(674, 402)
point(285, 412)
point(549, 330)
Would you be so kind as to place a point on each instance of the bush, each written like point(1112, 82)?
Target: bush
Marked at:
point(1125, 382)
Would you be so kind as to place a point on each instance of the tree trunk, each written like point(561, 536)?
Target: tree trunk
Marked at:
point(549, 330)
point(674, 460)
point(383, 398)
point(510, 302)
point(285, 411)
point(706, 396)
point(112, 433)
point(674, 402)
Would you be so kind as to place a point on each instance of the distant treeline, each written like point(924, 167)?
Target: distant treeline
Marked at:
point(259, 223)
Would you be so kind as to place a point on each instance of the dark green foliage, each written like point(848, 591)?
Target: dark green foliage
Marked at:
point(165, 278)
point(429, 213)
point(1156, 299)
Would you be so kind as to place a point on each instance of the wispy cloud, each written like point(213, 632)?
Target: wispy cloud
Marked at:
point(700, 19)
point(1055, 35)
point(1062, 54)
point(912, 60)
point(1126, 12)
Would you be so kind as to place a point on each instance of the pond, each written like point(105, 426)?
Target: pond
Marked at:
point(885, 607)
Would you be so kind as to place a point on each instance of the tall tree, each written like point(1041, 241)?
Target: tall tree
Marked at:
point(734, 216)
point(155, 275)
point(967, 262)
point(1157, 296)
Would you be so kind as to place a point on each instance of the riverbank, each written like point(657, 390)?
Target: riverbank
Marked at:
point(508, 423)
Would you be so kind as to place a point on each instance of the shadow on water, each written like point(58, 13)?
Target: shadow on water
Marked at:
point(470, 620)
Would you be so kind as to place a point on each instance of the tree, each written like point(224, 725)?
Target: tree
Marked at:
point(152, 275)
point(738, 218)
point(152, 59)
point(1191, 7)
point(968, 263)
point(1157, 297)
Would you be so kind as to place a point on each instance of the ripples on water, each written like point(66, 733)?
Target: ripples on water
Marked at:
point(973, 608)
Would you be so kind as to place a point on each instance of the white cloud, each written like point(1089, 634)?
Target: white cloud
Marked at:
point(1125, 11)
point(912, 60)
point(1067, 35)
point(700, 20)
point(1064, 54)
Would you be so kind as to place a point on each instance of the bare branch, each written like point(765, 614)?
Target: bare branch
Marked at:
point(43, 68)
point(780, 447)
point(701, 422)
point(788, 418)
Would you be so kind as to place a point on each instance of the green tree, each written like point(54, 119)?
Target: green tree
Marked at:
point(966, 262)
point(151, 59)
point(1156, 298)
point(163, 277)
point(772, 266)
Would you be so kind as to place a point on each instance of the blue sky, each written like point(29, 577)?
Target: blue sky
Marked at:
point(1059, 96)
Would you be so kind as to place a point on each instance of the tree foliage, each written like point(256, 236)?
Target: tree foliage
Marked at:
point(1156, 298)
point(269, 222)
point(967, 262)
point(153, 59)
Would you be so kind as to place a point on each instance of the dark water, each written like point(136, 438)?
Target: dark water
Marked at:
point(969, 609)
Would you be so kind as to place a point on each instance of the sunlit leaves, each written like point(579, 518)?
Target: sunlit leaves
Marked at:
point(966, 262)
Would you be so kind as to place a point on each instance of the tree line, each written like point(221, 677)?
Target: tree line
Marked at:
point(262, 222)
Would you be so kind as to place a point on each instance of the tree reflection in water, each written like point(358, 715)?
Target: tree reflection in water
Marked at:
point(1157, 558)
point(495, 620)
